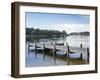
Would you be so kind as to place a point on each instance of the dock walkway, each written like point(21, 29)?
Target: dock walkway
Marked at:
point(58, 47)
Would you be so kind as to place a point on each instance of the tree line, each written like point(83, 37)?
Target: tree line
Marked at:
point(86, 33)
point(35, 34)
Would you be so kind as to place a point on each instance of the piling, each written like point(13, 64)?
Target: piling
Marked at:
point(28, 47)
point(43, 51)
point(54, 53)
point(87, 51)
point(81, 55)
point(35, 46)
point(81, 45)
point(68, 49)
point(67, 54)
point(35, 50)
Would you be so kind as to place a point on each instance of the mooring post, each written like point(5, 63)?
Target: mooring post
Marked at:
point(35, 50)
point(43, 51)
point(35, 45)
point(54, 53)
point(81, 55)
point(81, 45)
point(68, 49)
point(28, 47)
point(87, 51)
point(67, 53)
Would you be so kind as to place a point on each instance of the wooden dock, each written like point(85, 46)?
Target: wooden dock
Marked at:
point(58, 47)
point(66, 49)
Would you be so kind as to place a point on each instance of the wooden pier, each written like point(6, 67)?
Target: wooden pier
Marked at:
point(58, 47)
point(66, 49)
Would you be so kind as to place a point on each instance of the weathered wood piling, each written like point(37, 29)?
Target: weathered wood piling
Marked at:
point(54, 53)
point(67, 53)
point(43, 51)
point(88, 55)
point(35, 50)
point(81, 55)
point(28, 45)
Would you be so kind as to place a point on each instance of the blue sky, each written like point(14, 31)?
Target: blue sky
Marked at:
point(56, 21)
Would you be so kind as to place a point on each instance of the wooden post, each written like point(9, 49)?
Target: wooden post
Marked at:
point(67, 54)
point(43, 51)
point(87, 51)
point(28, 48)
point(81, 55)
point(68, 49)
point(35, 46)
point(35, 50)
point(54, 53)
point(81, 45)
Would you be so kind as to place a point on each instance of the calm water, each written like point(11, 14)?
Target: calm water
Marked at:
point(77, 40)
point(74, 41)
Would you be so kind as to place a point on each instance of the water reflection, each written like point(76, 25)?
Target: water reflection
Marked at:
point(73, 41)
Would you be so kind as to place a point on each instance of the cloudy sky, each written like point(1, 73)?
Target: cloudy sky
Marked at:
point(68, 22)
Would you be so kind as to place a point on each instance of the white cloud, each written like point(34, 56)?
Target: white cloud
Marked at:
point(67, 27)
